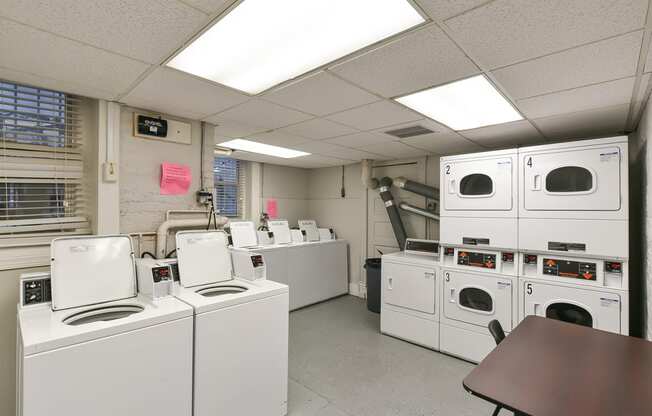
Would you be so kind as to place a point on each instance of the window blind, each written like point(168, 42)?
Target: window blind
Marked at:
point(41, 164)
point(230, 181)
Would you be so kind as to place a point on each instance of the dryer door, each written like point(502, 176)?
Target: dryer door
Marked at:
point(600, 310)
point(572, 180)
point(478, 185)
point(478, 299)
point(410, 287)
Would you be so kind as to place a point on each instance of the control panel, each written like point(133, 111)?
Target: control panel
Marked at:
point(473, 259)
point(155, 277)
point(35, 289)
point(486, 261)
point(589, 271)
point(423, 247)
point(247, 265)
point(570, 269)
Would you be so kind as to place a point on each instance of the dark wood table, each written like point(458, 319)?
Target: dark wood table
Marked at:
point(551, 368)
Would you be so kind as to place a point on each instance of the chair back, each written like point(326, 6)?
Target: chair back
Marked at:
point(496, 331)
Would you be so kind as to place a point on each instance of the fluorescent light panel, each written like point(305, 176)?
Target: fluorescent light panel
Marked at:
point(463, 105)
point(265, 149)
point(262, 43)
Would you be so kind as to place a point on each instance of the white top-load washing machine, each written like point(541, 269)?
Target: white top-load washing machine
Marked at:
point(574, 198)
point(99, 348)
point(241, 331)
point(479, 200)
point(478, 286)
point(410, 293)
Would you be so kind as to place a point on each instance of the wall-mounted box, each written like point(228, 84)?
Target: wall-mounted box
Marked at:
point(157, 128)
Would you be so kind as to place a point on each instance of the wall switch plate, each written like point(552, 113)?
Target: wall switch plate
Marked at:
point(110, 172)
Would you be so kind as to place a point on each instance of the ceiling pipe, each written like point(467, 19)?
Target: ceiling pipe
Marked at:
point(419, 211)
point(367, 180)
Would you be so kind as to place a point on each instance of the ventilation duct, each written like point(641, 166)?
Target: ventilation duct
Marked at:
point(392, 211)
point(417, 188)
point(419, 211)
point(411, 131)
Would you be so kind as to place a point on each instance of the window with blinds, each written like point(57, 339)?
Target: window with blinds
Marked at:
point(41, 169)
point(230, 186)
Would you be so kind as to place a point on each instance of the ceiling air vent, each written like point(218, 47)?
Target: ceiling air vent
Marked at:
point(411, 131)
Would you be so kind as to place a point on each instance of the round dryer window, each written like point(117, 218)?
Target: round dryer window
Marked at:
point(477, 299)
point(476, 184)
point(569, 179)
point(568, 312)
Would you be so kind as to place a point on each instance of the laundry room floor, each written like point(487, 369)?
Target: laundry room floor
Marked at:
point(340, 365)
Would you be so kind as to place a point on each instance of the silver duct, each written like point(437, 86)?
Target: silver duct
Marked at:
point(419, 211)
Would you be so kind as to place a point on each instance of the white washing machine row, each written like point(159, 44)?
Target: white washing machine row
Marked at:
point(561, 197)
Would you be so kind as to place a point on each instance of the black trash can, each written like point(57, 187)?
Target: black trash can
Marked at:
point(373, 284)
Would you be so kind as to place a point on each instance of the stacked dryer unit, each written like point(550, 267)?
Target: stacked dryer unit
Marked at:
point(479, 238)
point(573, 233)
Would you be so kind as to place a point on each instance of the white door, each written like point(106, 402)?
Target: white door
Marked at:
point(478, 185)
point(410, 287)
point(572, 180)
point(477, 299)
point(590, 308)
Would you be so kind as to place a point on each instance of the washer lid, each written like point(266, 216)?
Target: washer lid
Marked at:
point(203, 257)
point(281, 230)
point(243, 234)
point(89, 270)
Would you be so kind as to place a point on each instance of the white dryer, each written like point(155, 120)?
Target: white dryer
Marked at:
point(411, 284)
point(479, 200)
point(574, 194)
point(584, 291)
point(478, 287)
point(241, 331)
point(99, 348)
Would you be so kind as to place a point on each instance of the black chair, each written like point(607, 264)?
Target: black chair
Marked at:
point(497, 332)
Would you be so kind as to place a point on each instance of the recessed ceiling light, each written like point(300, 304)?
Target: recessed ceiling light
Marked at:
point(463, 105)
point(262, 43)
point(265, 149)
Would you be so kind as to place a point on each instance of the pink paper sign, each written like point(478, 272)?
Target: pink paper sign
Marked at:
point(175, 179)
point(272, 208)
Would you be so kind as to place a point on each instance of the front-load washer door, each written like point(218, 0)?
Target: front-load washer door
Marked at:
point(478, 299)
point(572, 180)
point(478, 185)
point(591, 308)
point(410, 287)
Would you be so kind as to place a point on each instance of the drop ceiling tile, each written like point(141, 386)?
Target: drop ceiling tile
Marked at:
point(54, 84)
point(257, 112)
point(363, 139)
point(233, 130)
point(321, 94)
point(315, 161)
point(578, 99)
point(584, 124)
point(29, 50)
point(209, 6)
point(174, 92)
point(396, 150)
point(327, 149)
point(508, 31)
point(148, 30)
point(318, 129)
point(414, 62)
point(277, 138)
point(597, 62)
point(443, 143)
point(508, 134)
point(374, 116)
point(443, 9)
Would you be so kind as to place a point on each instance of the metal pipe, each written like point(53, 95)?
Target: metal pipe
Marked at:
point(417, 188)
point(392, 211)
point(419, 211)
point(367, 180)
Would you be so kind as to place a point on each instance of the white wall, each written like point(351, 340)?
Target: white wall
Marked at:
point(289, 186)
point(142, 207)
point(345, 215)
point(640, 155)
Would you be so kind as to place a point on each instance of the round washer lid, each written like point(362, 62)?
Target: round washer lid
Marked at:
point(203, 257)
point(89, 270)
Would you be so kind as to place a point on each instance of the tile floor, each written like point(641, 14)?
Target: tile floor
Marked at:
point(340, 365)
